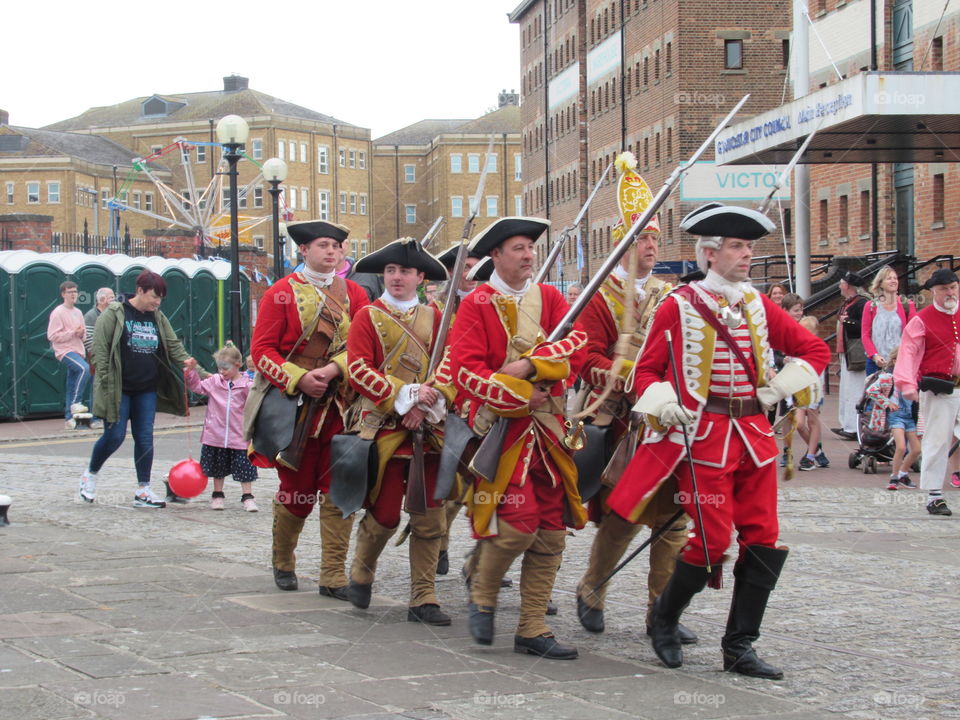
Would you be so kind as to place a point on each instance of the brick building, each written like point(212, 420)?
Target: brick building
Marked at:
point(431, 168)
point(650, 76)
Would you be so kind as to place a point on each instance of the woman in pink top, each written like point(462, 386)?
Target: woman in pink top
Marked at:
point(224, 451)
point(884, 319)
point(65, 331)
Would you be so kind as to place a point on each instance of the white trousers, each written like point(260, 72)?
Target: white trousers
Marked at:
point(942, 413)
point(851, 390)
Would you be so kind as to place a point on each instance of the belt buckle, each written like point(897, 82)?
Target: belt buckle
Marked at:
point(738, 413)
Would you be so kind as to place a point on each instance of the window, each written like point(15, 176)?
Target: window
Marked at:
point(343, 202)
point(353, 158)
point(53, 191)
point(492, 162)
point(865, 212)
point(104, 196)
point(258, 241)
point(323, 159)
point(304, 198)
point(10, 188)
point(473, 163)
point(669, 58)
point(256, 149)
point(410, 211)
point(303, 152)
point(323, 202)
point(492, 206)
point(258, 196)
point(154, 149)
point(733, 54)
point(137, 199)
point(363, 203)
point(456, 206)
point(292, 198)
point(785, 53)
point(938, 215)
point(824, 222)
point(342, 160)
point(518, 205)
point(281, 149)
point(224, 198)
point(936, 54)
point(353, 203)
point(456, 163)
point(409, 173)
point(201, 153)
point(844, 217)
point(362, 160)
point(148, 201)
point(517, 167)
point(293, 151)
point(363, 248)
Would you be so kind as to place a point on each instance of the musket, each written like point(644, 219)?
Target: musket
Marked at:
point(566, 323)
point(551, 258)
point(428, 238)
point(415, 500)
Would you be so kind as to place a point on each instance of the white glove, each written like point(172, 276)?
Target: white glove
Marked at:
point(796, 376)
point(660, 401)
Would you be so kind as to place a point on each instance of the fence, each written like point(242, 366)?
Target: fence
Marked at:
point(105, 244)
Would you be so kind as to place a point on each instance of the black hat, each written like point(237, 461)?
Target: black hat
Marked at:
point(482, 271)
point(306, 231)
point(504, 229)
point(943, 276)
point(855, 279)
point(718, 220)
point(449, 256)
point(405, 252)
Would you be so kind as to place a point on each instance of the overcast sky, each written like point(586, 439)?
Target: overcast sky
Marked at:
point(380, 64)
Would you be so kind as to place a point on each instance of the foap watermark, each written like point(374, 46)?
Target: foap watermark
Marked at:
point(685, 697)
point(111, 698)
point(484, 498)
point(909, 499)
point(899, 98)
point(688, 498)
point(897, 698)
point(497, 699)
point(295, 697)
point(696, 97)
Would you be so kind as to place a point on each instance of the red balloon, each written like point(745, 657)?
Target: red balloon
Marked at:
point(187, 479)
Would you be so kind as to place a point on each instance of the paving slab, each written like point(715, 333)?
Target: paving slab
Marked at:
point(18, 669)
point(34, 624)
point(36, 703)
point(308, 702)
point(273, 669)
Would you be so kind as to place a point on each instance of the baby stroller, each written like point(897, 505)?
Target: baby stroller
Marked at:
point(876, 446)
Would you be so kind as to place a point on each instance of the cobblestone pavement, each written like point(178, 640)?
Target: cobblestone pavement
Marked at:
point(107, 611)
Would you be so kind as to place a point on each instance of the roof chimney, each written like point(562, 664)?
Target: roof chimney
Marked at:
point(508, 98)
point(4, 117)
point(232, 83)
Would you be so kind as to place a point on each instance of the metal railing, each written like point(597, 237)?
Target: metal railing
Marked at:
point(105, 244)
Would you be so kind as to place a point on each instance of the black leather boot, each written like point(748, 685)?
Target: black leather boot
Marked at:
point(687, 580)
point(481, 623)
point(755, 577)
point(359, 594)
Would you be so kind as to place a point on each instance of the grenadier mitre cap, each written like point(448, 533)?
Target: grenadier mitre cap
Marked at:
point(633, 198)
point(405, 252)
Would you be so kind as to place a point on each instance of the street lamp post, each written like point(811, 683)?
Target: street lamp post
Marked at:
point(232, 132)
point(275, 172)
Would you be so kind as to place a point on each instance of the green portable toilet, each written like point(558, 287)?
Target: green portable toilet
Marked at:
point(7, 375)
point(176, 305)
point(204, 335)
point(127, 282)
point(92, 276)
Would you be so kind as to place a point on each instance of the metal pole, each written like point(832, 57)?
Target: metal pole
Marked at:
point(277, 239)
point(236, 328)
point(801, 177)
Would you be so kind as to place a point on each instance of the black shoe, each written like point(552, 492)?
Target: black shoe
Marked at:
point(359, 594)
point(807, 463)
point(551, 607)
point(546, 646)
point(906, 481)
point(338, 593)
point(687, 636)
point(590, 618)
point(507, 582)
point(443, 563)
point(749, 664)
point(428, 614)
point(172, 497)
point(285, 579)
point(938, 507)
point(481, 623)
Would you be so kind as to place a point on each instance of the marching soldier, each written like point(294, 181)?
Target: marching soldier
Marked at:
point(604, 319)
point(299, 345)
point(388, 352)
point(713, 336)
point(510, 380)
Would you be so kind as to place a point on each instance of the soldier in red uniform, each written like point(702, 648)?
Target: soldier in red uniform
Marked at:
point(503, 369)
point(388, 353)
point(722, 330)
point(299, 345)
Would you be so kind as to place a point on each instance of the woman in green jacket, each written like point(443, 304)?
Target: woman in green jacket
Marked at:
point(139, 362)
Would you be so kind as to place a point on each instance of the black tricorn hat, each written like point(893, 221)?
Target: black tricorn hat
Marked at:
point(482, 271)
point(448, 257)
point(716, 219)
point(307, 231)
point(855, 279)
point(405, 252)
point(943, 276)
point(504, 229)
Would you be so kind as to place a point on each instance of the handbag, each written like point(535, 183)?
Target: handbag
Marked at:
point(855, 355)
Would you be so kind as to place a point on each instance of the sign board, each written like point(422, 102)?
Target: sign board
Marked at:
point(706, 182)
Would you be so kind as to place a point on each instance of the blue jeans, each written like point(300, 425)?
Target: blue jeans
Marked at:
point(78, 377)
point(140, 409)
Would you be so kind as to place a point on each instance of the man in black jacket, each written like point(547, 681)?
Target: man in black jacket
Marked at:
point(850, 350)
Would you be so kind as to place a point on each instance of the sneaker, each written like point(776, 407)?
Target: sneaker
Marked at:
point(955, 479)
point(892, 485)
point(216, 502)
point(250, 505)
point(807, 463)
point(70, 424)
point(821, 459)
point(78, 409)
point(88, 486)
point(938, 507)
point(783, 459)
point(96, 424)
point(146, 498)
point(905, 480)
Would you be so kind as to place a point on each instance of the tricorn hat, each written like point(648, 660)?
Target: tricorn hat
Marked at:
point(943, 276)
point(504, 229)
point(482, 271)
point(307, 231)
point(448, 257)
point(853, 278)
point(719, 220)
point(405, 252)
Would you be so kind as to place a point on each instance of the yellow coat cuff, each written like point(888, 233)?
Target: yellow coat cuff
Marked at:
point(626, 368)
point(294, 373)
point(522, 388)
point(549, 370)
point(340, 360)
